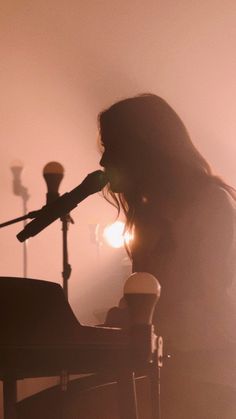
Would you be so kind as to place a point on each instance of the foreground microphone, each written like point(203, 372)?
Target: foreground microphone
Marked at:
point(141, 291)
point(93, 183)
point(53, 173)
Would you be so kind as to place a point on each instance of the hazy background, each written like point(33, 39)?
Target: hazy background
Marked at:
point(64, 61)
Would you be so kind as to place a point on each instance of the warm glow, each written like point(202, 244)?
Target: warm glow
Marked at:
point(114, 235)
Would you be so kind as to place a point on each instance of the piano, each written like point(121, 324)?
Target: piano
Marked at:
point(40, 337)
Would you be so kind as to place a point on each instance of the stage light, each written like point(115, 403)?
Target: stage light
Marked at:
point(115, 236)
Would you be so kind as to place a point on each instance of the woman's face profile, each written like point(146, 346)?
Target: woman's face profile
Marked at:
point(114, 163)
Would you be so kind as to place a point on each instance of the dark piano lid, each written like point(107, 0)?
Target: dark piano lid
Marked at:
point(35, 311)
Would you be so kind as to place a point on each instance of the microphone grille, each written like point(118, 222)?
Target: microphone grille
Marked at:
point(53, 167)
point(53, 173)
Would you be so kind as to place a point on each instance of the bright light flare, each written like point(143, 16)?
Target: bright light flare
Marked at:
point(115, 236)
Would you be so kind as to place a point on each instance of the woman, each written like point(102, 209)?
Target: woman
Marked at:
point(184, 220)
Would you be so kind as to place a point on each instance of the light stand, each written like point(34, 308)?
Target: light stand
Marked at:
point(21, 191)
point(142, 291)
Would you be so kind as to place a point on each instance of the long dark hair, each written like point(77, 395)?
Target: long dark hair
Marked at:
point(154, 142)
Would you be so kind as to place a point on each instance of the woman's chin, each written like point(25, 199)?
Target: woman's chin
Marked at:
point(116, 181)
point(116, 187)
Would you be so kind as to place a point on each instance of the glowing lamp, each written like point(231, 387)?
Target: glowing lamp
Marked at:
point(115, 236)
point(142, 291)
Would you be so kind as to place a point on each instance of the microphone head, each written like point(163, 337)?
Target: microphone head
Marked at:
point(142, 291)
point(53, 173)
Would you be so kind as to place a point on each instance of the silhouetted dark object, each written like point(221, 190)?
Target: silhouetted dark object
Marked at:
point(40, 336)
point(184, 221)
point(91, 397)
point(93, 183)
point(53, 173)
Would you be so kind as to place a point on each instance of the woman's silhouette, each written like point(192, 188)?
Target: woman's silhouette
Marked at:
point(184, 222)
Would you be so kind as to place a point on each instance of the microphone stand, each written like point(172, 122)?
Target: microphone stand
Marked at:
point(25, 197)
point(66, 219)
point(94, 182)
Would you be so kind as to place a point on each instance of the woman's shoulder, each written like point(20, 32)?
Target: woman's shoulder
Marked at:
point(215, 200)
point(212, 214)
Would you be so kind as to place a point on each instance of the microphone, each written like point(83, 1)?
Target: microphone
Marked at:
point(53, 173)
point(93, 183)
